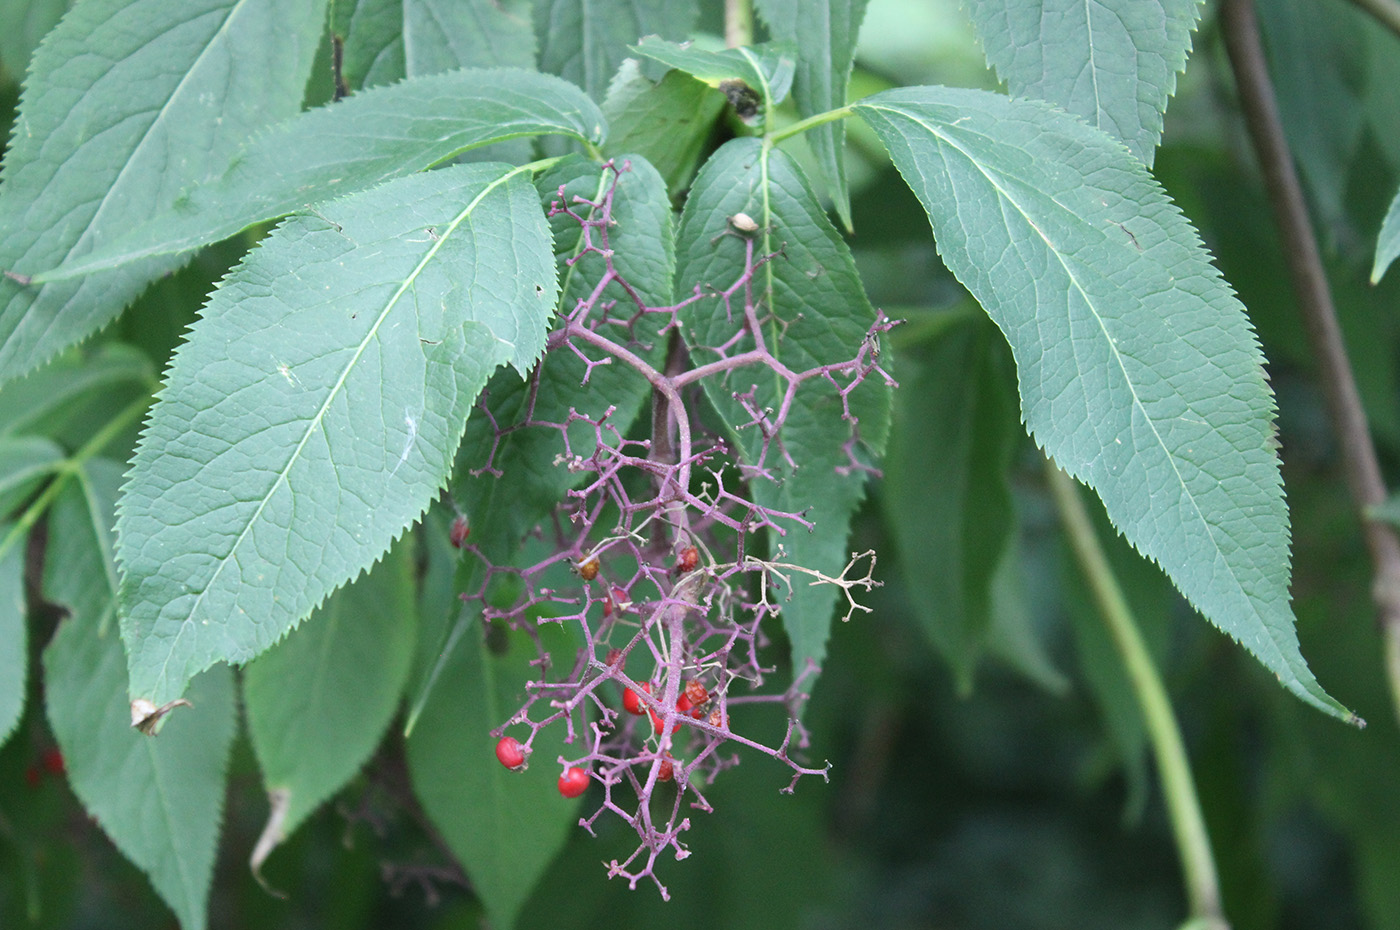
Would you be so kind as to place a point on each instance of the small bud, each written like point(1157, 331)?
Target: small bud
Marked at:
point(743, 223)
point(459, 532)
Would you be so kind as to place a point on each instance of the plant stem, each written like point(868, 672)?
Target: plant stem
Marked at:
point(1359, 462)
point(811, 122)
point(1188, 825)
point(738, 23)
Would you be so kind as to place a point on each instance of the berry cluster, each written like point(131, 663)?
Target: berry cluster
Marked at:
point(663, 542)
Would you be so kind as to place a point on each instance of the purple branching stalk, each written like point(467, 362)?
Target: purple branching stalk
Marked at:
point(657, 533)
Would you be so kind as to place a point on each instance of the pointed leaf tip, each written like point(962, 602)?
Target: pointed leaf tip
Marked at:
point(1138, 369)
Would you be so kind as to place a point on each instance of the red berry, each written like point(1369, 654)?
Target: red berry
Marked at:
point(573, 782)
point(688, 559)
point(683, 704)
point(509, 751)
point(657, 724)
point(631, 702)
point(459, 532)
point(667, 769)
point(53, 761)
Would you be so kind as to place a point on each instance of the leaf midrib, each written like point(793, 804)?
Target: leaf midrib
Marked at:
point(315, 421)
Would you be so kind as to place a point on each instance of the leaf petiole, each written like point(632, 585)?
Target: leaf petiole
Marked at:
point(801, 126)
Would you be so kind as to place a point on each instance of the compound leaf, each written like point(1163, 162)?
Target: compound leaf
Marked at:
point(314, 412)
point(159, 799)
point(1113, 62)
point(318, 702)
point(127, 103)
point(1139, 372)
point(819, 316)
point(354, 144)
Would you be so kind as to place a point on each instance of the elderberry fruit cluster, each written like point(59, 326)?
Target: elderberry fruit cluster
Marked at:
point(662, 539)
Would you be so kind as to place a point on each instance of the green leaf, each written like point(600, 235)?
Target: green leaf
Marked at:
point(319, 701)
point(14, 658)
point(314, 411)
point(127, 102)
point(503, 826)
point(42, 401)
point(24, 462)
point(160, 799)
point(1138, 370)
point(22, 25)
point(371, 34)
point(440, 35)
point(355, 144)
point(768, 68)
point(1016, 636)
point(821, 315)
point(503, 507)
point(1114, 62)
point(1320, 106)
point(388, 40)
point(586, 40)
point(668, 122)
point(1388, 243)
point(946, 495)
point(824, 33)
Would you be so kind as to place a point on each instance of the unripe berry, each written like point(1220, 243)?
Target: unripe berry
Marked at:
point(587, 568)
point(573, 782)
point(459, 532)
point(510, 753)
